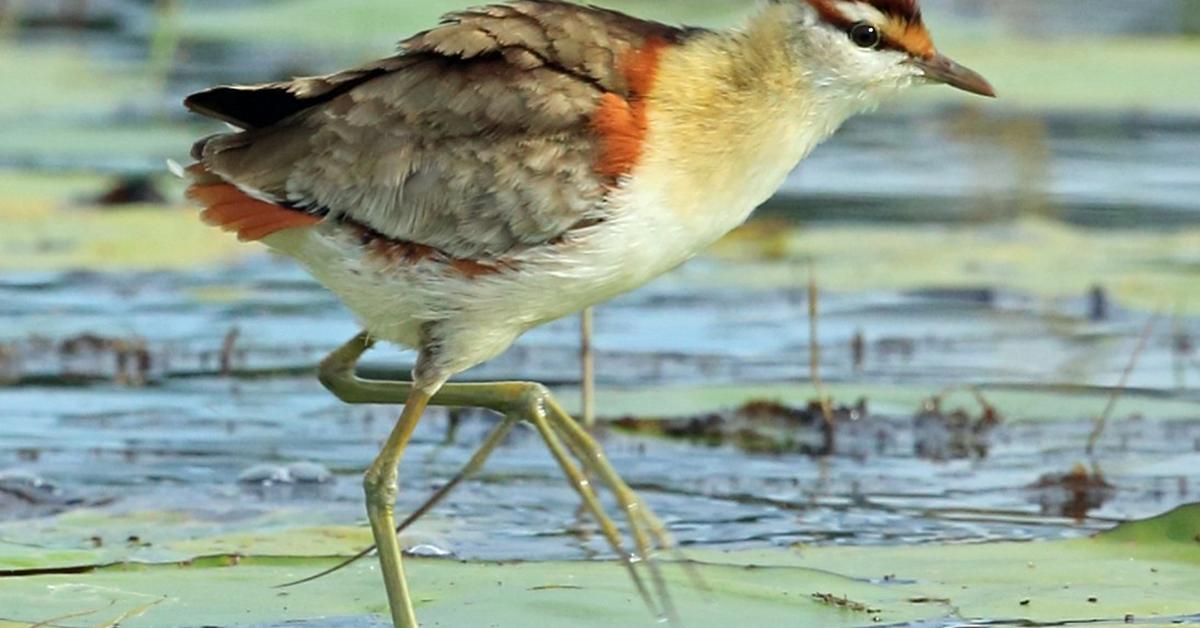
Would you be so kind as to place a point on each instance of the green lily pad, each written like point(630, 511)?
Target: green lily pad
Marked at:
point(49, 230)
point(359, 24)
point(1031, 403)
point(219, 592)
point(49, 80)
point(1145, 570)
point(1104, 74)
point(1178, 527)
point(1145, 269)
point(1088, 74)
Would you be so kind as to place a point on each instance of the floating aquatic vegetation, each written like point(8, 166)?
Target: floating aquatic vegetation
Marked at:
point(127, 361)
point(950, 435)
point(1073, 494)
point(131, 190)
point(756, 426)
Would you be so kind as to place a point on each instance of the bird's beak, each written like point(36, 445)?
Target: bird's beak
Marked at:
point(942, 69)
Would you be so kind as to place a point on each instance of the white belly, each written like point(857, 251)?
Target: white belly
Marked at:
point(486, 314)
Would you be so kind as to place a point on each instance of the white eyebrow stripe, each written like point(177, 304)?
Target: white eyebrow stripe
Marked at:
point(860, 12)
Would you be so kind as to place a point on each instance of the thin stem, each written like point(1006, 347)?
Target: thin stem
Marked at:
point(1119, 391)
point(814, 345)
point(587, 358)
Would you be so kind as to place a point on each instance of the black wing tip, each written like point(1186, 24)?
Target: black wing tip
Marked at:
point(247, 107)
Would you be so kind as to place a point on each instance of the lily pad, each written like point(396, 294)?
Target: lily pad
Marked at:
point(1146, 269)
point(1098, 73)
point(1144, 570)
point(355, 24)
point(1014, 403)
point(48, 229)
point(58, 80)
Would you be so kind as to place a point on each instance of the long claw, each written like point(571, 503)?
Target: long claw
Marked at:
point(537, 415)
point(586, 442)
point(591, 455)
point(472, 467)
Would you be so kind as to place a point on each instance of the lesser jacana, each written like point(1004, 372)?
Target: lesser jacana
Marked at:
point(521, 162)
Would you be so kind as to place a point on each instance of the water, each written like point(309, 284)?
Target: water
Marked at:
point(1098, 170)
point(185, 439)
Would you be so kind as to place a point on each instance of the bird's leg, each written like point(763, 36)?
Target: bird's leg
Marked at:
point(337, 373)
point(493, 440)
point(516, 400)
point(380, 484)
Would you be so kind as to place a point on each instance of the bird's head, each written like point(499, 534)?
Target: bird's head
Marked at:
point(875, 47)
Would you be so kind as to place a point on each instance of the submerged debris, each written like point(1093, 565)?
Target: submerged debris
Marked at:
point(127, 361)
point(858, 351)
point(29, 487)
point(228, 351)
point(1099, 304)
point(131, 190)
point(108, 16)
point(758, 427)
point(24, 494)
point(954, 435)
point(844, 603)
point(10, 370)
point(776, 428)
point(1072, 494)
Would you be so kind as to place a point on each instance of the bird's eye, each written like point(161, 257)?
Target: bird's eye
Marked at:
point(865, 35)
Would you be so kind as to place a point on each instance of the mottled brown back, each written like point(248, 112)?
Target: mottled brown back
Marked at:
point(476, 139)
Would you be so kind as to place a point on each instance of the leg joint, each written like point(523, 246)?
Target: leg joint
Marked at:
point(380, 487)
point(337, 371)
point(533, 396)
point(334, 378)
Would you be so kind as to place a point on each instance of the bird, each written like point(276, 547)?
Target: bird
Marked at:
point(517, 163)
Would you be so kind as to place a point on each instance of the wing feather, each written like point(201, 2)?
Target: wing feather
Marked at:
point(476, 139)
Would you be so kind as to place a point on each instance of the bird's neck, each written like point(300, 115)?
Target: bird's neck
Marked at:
point(732, 113)
point(765, 71)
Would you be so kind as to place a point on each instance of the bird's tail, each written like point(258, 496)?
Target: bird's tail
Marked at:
point(228, 207)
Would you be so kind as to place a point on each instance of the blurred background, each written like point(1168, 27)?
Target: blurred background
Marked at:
point(1024, 247)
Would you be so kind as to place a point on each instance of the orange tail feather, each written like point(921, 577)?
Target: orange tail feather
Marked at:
point(233, 210)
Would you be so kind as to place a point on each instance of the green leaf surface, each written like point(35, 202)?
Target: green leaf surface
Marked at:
point(361, 24)
point(1148, 570)
point(54, 80)
point(1033, 403)
point(1090, 74)
point(1146, 269)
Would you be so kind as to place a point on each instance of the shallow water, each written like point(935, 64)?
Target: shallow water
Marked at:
point(682, 328)
point(183, 440)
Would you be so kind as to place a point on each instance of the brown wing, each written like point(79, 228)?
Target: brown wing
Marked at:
point(477, 139)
